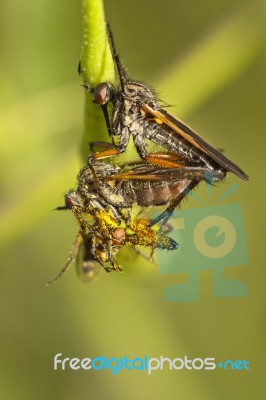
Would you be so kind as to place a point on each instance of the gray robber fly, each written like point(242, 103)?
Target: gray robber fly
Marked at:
point(136, 111)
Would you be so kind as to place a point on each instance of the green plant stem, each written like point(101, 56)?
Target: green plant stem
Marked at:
point(96, 66)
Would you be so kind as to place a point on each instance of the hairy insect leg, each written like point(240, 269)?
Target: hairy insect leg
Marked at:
point(110, 251)
point(110, 152)
point(77, 211)
point(166, 214)
point(102, 145)
point(115, 265)
point(69, 261)
point(165, 160)
point(149, 257)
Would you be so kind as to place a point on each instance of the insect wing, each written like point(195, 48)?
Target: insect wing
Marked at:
point(148, 173)
point(87, 268)
point(194, 139)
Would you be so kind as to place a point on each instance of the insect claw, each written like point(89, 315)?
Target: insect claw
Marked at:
point(88, 87)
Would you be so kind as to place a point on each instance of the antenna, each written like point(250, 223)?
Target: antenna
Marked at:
point(123, 77)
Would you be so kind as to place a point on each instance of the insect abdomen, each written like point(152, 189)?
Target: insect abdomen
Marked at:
point(155, 194)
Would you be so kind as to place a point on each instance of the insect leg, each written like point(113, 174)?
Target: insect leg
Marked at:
point(166, 214)
point(165, 160)
point(100, 155)
point(103, 145)
point(70, 258)
point(149, 257)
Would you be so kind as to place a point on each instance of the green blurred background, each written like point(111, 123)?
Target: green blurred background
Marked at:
point(208, 59)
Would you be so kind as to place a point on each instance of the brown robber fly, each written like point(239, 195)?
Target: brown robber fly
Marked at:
point(137, 111)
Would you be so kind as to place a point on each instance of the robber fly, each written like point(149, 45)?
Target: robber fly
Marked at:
point(99, 241)
point(137, 111)
point(117, 188)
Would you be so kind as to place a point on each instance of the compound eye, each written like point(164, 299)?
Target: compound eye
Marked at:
point(131, 91)
point(101, 94)
point(118, 236)
point(72, 200)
